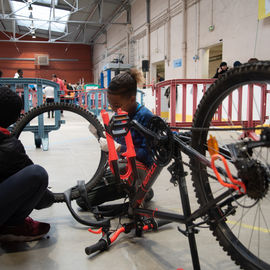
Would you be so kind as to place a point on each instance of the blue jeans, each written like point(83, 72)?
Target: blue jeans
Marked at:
point(21, 193)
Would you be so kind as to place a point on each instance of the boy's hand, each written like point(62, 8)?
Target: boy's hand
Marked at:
point(104, 146)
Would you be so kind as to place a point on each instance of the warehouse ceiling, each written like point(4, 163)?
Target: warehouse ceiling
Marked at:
point(68, 21)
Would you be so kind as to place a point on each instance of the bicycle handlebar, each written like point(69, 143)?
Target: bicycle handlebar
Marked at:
point(99, 246)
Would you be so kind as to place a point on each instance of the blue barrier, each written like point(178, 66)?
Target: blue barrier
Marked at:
point(21, 86)
point(96, 100)
point(140, 96)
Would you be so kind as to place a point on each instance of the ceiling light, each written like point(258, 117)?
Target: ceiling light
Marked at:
point(30, 7)
point(33, 31)
point(34, 36)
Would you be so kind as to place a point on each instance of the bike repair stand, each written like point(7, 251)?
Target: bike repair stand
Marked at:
point(179, 177)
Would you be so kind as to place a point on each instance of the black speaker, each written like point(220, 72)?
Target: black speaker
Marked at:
point(145, 65)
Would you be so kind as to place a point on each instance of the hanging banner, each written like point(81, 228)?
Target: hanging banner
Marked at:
point(263, 9)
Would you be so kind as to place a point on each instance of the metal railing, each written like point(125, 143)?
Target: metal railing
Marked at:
point(33, 98)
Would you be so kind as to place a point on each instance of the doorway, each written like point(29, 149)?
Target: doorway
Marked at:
point(160, 71)
point(215, 58)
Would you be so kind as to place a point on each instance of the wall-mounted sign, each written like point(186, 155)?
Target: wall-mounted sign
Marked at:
point(177, 63)
point(263, 9)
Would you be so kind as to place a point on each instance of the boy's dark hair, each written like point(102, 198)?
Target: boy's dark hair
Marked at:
point(1, 73)
point(10, 107)
point(125, 83)
point(19, 70)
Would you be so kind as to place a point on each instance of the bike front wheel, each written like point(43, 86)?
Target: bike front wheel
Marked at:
point(240, 99)
point(73, 152)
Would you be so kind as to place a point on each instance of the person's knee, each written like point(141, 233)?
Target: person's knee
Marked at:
point(39, 175)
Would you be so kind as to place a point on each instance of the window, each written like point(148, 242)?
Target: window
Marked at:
point(39, 14)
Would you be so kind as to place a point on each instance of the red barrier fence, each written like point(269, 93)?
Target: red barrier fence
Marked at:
point(173, 85)
point(242, 107)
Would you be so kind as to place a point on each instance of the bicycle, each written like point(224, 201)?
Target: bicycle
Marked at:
point(240, 190)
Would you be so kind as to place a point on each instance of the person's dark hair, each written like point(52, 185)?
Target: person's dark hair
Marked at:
point(54, 75)
point(223, 64)
point(19, 70)
point(1, 73)
point(237, 64)
point(126, 83)
point(10, 107)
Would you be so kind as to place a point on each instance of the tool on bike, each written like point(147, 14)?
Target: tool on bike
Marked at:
point(118, 127)
point(236, 184)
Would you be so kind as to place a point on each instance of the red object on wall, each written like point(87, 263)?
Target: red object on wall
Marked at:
point(68, 61)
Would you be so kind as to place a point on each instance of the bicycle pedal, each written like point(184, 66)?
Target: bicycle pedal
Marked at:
point(188, 231)
point(184, 232)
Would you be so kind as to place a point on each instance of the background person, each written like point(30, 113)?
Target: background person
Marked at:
point(61, 86)
point(18, 74)
point(221, 70)
point(49, 97)
point(253, 60)
point(237, 64)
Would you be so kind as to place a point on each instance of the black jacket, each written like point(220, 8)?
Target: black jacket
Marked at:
point(218, 74)
point(12, 156)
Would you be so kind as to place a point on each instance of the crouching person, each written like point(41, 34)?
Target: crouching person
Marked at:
point(23, 185)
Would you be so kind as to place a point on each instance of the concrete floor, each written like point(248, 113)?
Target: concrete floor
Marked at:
point(63, 248)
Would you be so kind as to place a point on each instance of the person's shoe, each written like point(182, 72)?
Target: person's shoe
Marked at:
point(149, 196)
point(28, 231)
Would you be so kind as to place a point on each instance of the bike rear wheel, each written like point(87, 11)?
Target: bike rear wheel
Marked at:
point(245, 236)
point(74, 122)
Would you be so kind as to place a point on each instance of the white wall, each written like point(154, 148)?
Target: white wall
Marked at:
point(236, 26)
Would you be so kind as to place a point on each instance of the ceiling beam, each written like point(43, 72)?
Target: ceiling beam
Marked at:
point(91, 13)
point(4, 18)
point(40, 41)
point(2, 7)
point(100, 10)
point(122, 7)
